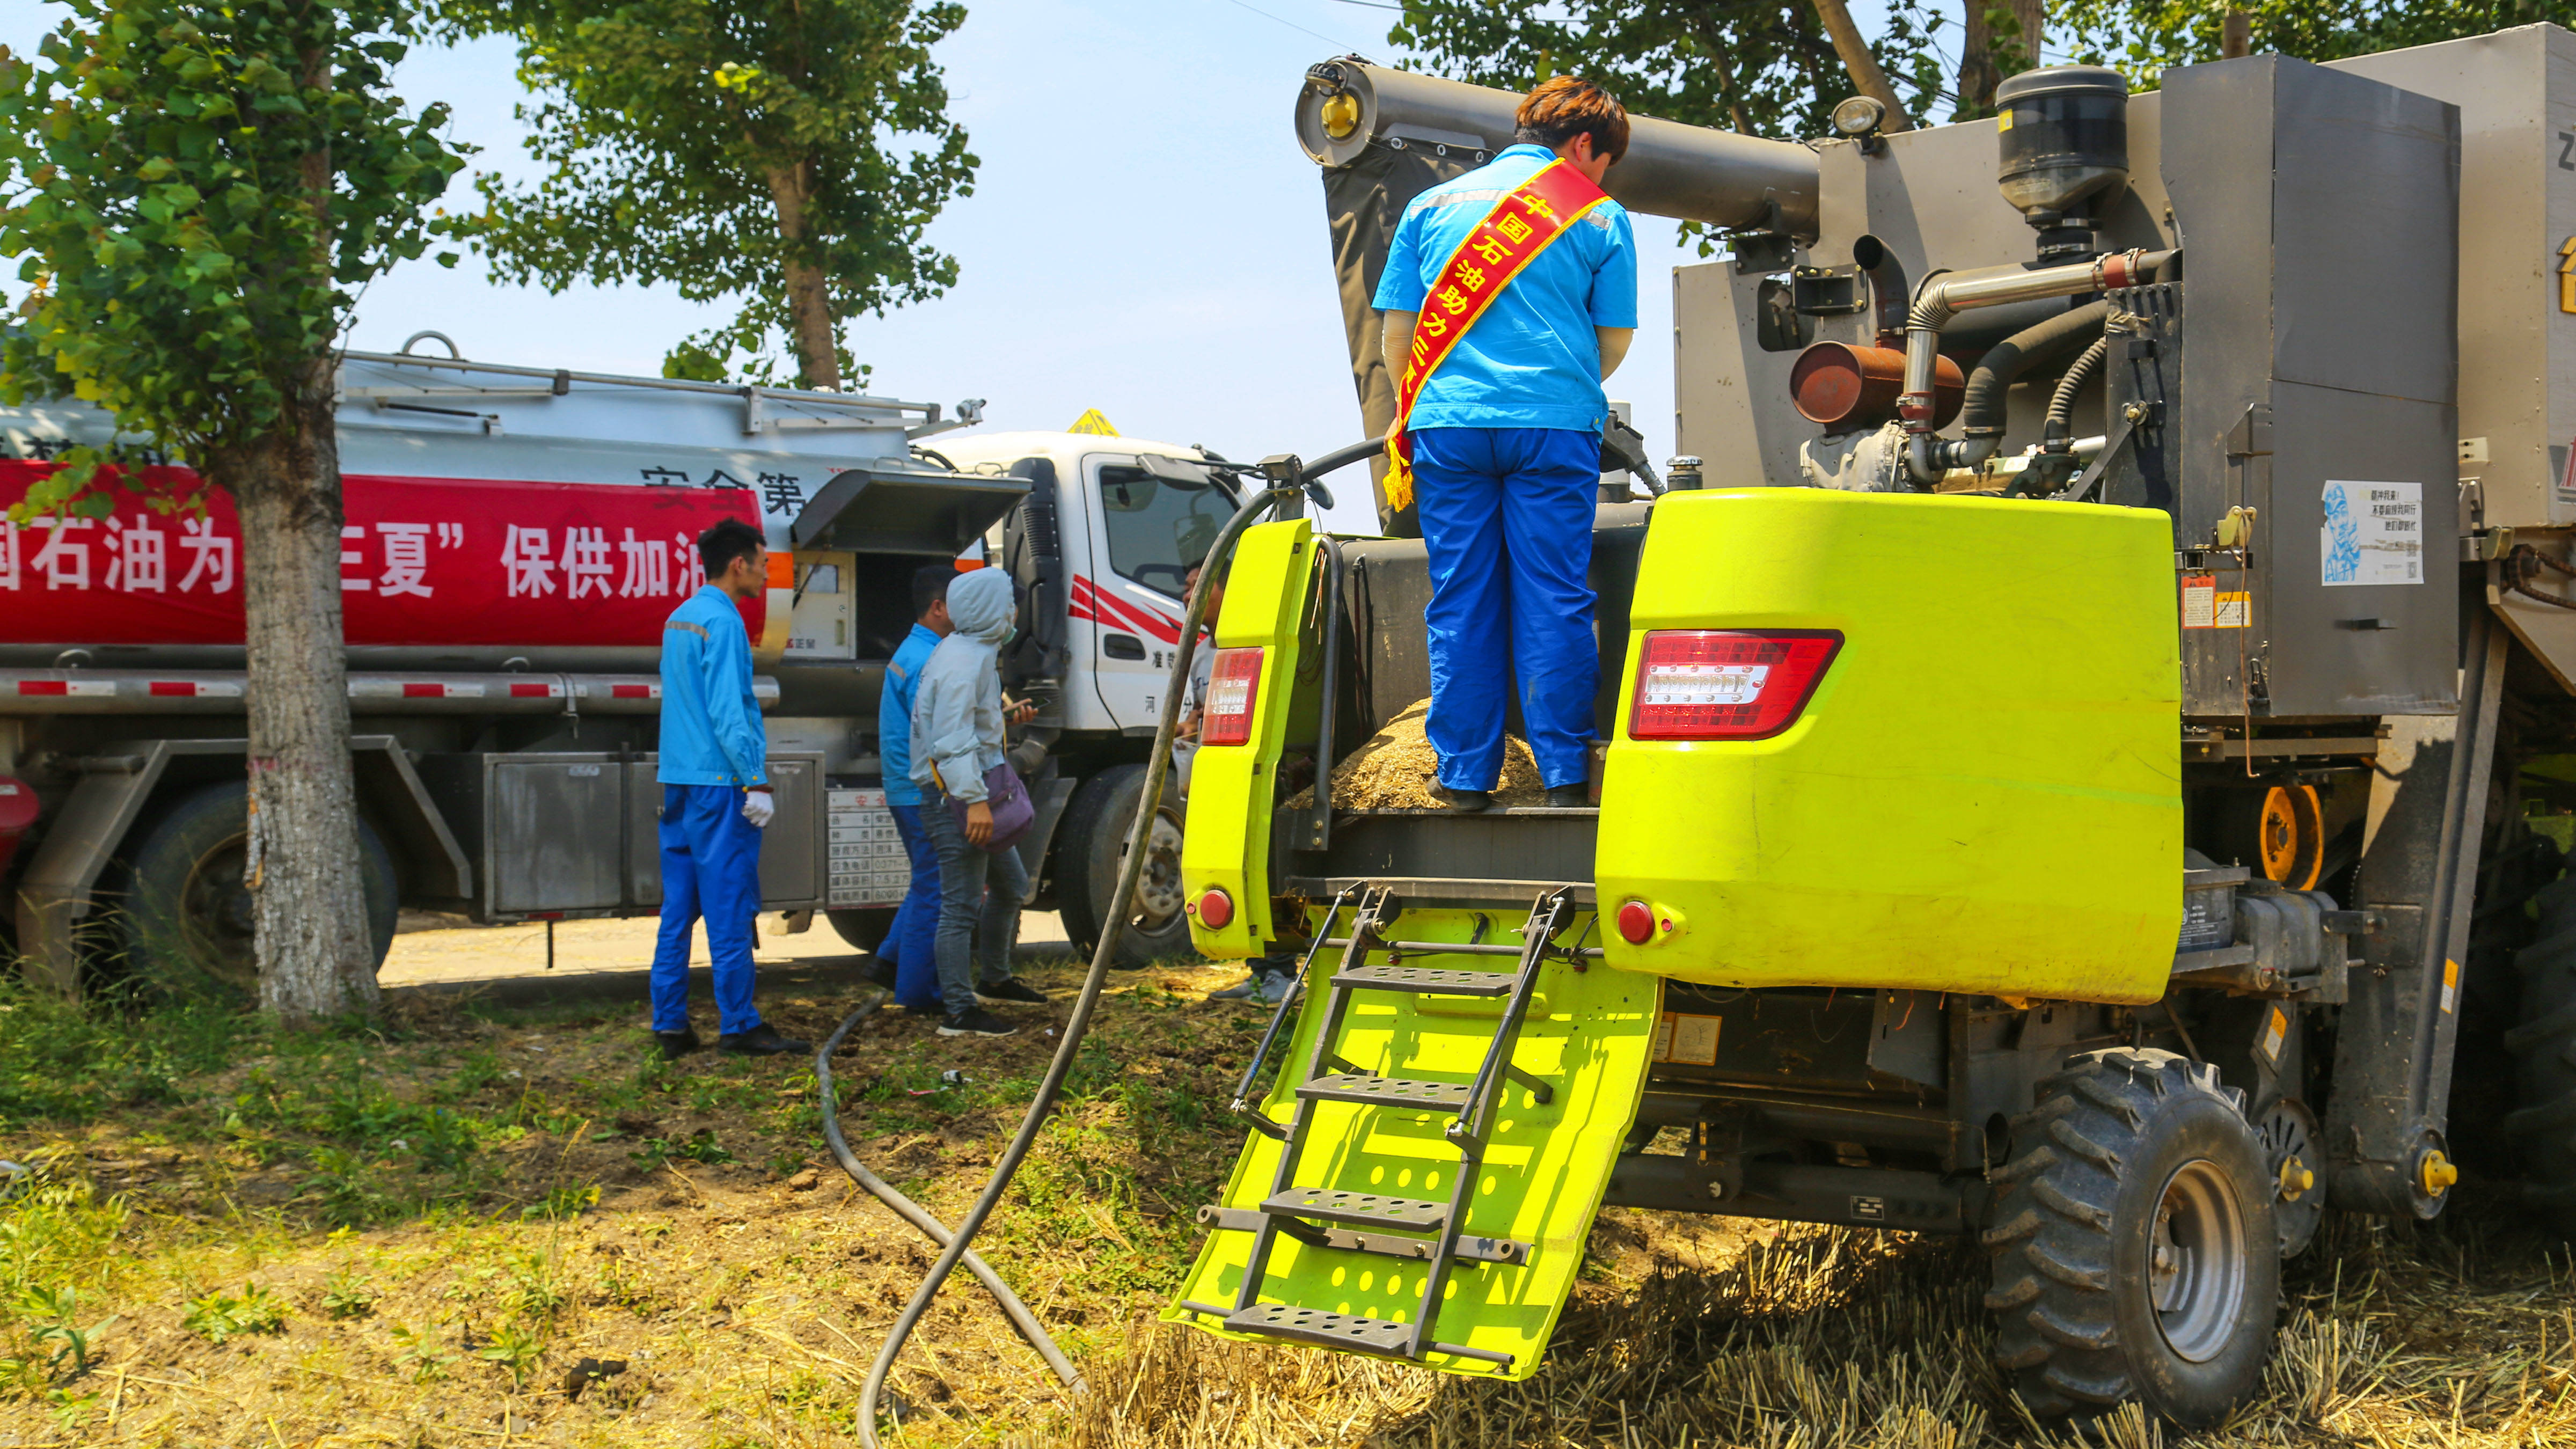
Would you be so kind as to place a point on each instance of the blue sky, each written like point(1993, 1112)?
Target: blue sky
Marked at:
point(1145, 237)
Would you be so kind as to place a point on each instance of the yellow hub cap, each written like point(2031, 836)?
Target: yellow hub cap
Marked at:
point(2296, 1179)
point(2436, 1172)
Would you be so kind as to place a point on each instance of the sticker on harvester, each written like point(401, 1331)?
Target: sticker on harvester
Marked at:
point(2206, 606)
point(2199, 601)
point(2275, 1031)
point(2450, 984)
point(1688, 1040)
point(2371, 533)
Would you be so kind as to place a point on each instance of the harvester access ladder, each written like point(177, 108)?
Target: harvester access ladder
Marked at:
point(1377, 1225)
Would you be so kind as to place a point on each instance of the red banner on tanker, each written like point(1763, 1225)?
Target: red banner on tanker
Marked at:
point(422, 561)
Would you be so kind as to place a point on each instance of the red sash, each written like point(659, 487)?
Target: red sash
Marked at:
point(1520, 226)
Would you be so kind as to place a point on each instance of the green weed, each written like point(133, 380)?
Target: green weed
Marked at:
point(417, 1352)
point(514, 1348)
point(218, 1316)
point(346, 1295)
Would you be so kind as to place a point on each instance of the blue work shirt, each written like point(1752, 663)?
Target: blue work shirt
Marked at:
point(1531, 360)
point(894, 715)
point(711, 731)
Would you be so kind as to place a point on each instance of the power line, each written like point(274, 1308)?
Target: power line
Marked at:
point(1293, 25)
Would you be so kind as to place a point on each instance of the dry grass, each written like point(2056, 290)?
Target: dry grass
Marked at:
point(1804, 1338)
point(445, 1221)
point(1397, 770)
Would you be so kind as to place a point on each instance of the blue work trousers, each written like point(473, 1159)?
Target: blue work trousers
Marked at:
point(1507, 517)
point(979, 907)
point(911, 943)
point(710, 868)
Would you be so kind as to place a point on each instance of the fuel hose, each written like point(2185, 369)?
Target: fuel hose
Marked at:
point(1290, 479)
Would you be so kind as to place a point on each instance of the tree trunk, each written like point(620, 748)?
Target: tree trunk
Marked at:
point(316, 955)
point(809, 298)
point(1985, 57)
point(1866, 74)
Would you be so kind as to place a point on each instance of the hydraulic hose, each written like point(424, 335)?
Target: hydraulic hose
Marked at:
point(1290, 480)
point(2061, 403)
point(913, 1213)
point(1982, 413)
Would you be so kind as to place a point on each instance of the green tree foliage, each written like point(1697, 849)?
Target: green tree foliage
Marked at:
point(1764, 69)
point(198, 192)
point(2142, 37)
point(786, 152)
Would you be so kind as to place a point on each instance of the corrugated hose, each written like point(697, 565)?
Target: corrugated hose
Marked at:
point(1290, 479)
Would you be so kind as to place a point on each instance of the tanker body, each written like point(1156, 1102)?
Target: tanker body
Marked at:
point(514, 538)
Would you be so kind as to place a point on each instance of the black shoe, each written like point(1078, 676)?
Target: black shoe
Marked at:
point(1465, 802)
point(880, 973)
point(1569, 797)
point(975, 1021)
point(1013, 989)
point(677, 1044)
point(761, 1041)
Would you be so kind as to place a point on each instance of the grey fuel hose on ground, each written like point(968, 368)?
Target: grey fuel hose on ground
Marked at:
point(1289, 481)
point(913, 1213)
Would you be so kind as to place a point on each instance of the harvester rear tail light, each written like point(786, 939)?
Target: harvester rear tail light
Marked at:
point(1721, 684)
point(1636, 923)
point(1215, 909)
point(1234, 687)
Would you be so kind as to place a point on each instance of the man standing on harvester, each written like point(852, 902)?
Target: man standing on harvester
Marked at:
point(1510, 293)
point(716, 799)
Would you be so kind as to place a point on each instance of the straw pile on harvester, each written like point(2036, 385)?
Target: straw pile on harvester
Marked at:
point(1398, 770)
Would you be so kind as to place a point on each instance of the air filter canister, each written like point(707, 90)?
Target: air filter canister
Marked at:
point(2063, 140)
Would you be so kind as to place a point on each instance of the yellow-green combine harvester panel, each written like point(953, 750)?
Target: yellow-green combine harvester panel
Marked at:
point(1588, 1034)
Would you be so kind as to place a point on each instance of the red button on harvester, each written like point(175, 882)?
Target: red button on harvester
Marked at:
point(1216, 909)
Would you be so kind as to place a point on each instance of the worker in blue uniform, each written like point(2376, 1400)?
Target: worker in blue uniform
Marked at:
point(1507, 450)
point(716, 799)
point(909, 948)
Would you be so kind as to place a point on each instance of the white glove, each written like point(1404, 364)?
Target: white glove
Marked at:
point(757, 807)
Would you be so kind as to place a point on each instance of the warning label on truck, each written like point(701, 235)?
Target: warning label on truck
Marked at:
point(1689, 1040)
point(2372, 533)
point(2207, 606)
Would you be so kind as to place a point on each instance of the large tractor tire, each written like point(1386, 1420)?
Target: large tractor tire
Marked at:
point(2134, 1250)
point(864, 928)
point(1088, 848)
point(2543, 1044)
point(187, 908)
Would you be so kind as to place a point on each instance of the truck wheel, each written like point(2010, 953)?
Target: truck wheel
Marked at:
point(2543, 1045)
point(187, 910)
point(1088, 848)
point(865, 929)
point(2134, 1250)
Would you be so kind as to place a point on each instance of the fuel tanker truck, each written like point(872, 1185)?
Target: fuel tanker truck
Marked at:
point(2063, 733)
point(514, 538)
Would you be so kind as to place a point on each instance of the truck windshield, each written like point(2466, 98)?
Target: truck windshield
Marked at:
point(1158, 528)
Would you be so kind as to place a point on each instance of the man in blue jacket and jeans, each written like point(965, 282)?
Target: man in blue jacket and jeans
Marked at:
point(908, 951)
point(716, 798)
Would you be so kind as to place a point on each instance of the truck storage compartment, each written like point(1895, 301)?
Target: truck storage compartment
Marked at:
point(1981, 792)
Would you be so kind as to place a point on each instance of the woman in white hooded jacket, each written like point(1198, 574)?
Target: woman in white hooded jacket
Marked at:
point(957, 719)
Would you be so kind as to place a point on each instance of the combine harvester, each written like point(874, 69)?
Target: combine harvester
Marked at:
point(2052, 734)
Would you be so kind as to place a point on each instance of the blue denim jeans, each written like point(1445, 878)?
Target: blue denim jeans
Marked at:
point(911, 943)
point(979, 906)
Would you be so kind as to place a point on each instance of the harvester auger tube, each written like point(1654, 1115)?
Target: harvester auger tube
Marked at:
point(1292, 484)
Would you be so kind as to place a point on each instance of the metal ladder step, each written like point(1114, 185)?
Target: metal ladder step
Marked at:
point(1376, 1091)
point(1425, 981)
point(1384, 1245)
point(1360, 1209)
point(1343, 1331)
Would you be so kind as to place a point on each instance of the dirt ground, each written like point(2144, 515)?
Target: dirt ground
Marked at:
point(501, 1219)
